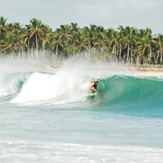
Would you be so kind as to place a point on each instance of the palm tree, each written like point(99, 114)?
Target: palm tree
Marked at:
point(56, 42)
point(113, 37)
point(35, 33)
point(10, 45)
point(145, 42)
point(17, 30)
point(90, 34)
point(158, 44)
point(144, 47)
point(74, 28)
point(65, 33)
point(129, 40)
point(81, 42)
point(101, 40)
point(3, 27)
point(47, 35)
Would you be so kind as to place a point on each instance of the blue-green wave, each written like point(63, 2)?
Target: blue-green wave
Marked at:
point(131, 95)
point(116, 94)
point(11, 84)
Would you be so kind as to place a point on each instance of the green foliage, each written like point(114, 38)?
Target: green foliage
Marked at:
point(126, 44)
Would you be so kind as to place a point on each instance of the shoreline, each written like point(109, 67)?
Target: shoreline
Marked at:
point(148, 74)
point(145, 72)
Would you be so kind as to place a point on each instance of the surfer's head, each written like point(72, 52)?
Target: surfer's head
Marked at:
point(94, 83)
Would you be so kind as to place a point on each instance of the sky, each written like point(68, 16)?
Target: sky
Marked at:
point(107, 13)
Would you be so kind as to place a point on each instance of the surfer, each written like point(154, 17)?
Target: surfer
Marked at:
point(93, 86)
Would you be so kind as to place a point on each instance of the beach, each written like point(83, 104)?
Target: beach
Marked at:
point(143, 72)
point(146, 71)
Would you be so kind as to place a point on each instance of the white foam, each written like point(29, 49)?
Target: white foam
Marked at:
point(69, 84)
point(21, 151)
point(62, 87)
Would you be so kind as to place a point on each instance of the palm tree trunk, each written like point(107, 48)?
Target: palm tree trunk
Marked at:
point(56, 52)
point(113, 51)
point(128, 50)
point(36, 43)
point(150, 52)
point(137, 61)
point(120, 51)
point(158, 54)
point(161, 57)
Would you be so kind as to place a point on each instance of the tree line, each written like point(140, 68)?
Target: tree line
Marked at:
point(124, 44)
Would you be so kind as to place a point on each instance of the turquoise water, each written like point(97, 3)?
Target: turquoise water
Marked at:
point(47, 117)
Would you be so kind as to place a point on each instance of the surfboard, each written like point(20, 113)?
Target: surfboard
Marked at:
point(92, 95)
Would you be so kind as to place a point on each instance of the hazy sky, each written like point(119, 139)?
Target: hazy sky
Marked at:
point(108, 13)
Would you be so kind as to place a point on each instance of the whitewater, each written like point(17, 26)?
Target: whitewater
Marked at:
point(46, 115)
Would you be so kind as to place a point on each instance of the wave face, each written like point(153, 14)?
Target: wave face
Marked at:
point(132, 95)
point(11, 83)
point(122, 94)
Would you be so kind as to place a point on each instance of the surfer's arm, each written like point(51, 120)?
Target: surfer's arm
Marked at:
point(93, 89)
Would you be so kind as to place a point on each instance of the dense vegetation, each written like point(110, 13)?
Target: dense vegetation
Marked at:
point(126, 44)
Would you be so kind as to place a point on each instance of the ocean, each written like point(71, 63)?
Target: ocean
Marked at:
point(47, 117)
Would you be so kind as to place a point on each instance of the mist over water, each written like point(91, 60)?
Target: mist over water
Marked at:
point(64, 84)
